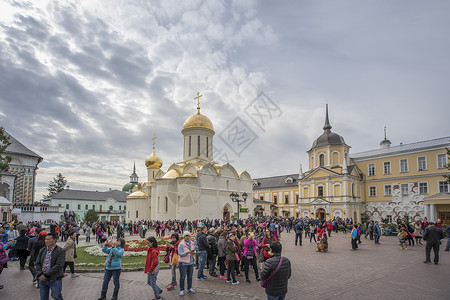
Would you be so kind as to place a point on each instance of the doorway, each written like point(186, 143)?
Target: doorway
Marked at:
point(226, 213)
point(320, 214)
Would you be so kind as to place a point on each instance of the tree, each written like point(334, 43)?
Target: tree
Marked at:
point(448, 165)
point(56, 185)
point(91, 216)
point(4, 143)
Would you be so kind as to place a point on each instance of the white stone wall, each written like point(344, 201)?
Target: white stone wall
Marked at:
point(410, 205)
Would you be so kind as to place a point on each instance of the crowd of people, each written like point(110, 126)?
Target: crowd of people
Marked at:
point(219, 249)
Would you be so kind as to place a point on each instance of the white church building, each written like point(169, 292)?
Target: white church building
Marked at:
point(196, 187)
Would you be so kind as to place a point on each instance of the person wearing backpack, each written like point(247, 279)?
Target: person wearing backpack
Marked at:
point(276, 273)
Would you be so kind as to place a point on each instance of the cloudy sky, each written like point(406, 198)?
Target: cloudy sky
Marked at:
point(86, 84)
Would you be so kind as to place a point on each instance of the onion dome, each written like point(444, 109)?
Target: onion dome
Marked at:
point(328, 137)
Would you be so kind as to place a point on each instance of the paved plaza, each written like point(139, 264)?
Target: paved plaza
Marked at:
point(373, 272)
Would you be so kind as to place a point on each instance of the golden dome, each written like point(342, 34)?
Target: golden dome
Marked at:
point(153, 161)
point(198, 120)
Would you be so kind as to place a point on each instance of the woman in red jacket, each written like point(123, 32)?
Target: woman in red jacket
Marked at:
point(152, 266)
point(269, 238)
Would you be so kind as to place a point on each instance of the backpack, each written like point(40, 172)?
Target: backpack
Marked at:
point(3, 257)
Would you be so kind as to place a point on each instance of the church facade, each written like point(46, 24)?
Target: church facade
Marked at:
point(385, 183)
point(195, 188)
point(17, 184)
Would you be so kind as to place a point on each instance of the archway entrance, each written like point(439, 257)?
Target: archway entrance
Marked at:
point(226, 213)
point(320, 214)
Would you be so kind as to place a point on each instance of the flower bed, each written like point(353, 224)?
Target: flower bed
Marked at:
point(132, 248)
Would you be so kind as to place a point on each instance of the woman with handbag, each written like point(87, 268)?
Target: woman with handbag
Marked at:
point(232, 258)
point(172, 251)
point(276, 273)
point(186, 262)
point(70, 248)
point(250, 255)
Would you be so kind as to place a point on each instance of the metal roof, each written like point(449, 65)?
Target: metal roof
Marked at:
point(17, 147)
point(90, 195)
point(445, 141)
point(275, 182)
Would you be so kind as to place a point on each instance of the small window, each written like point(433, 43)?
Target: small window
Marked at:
point(261, 198)
point(166, 205)
point(443, 187)
point(442, 161)
point(423, 188)
point(120, 207)
point(387, 167)
point(405, 190)
point(275, 200)
point(128, 214)
point(403, 165)
point(93, 206)
point(372, 191)
point(59, 205)
point(422, 163)
point(320, 191)
point(388, 190)
point(296, 199)
point(190, 144)
point(101, 207)
point(198, 145)
point(353, 189)
point(86, 207)
point(79, 206)
point(371, 169)
point(67, 206)
point(286, 199)
point(322, 159)
point(389, 219)
point(137, 214)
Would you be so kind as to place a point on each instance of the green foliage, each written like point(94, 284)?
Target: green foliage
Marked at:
point(364, 218)
point(91, 216)
point(4, 143)
point(56, 185)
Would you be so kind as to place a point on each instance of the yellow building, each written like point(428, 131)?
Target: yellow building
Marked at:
point(406, 180)
point(386, 183)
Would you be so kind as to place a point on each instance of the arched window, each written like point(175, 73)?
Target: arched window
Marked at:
point(321, 159)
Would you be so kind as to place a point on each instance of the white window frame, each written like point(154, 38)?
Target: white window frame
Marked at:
point(370, 191)
point(418, 163)
point(420, 192)
point(390, 191)
point(374, 171)
point(389, 219)
point(445, 160)
point(323, 189)
point(439, 186)
point(390, 167)
point(320, 155)
point(401, 189)
point(400, 165)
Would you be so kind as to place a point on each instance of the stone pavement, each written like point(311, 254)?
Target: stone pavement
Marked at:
point(373, 272)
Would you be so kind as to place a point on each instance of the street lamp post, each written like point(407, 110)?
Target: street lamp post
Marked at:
point(235, 198)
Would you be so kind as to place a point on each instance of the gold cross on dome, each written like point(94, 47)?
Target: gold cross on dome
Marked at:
point(154, 140)
point(198, 101)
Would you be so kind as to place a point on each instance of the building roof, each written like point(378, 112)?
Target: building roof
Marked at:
point(327, 137)
point(91, 195)
point(445, 141)
point(275, 182)
point(17, 147)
